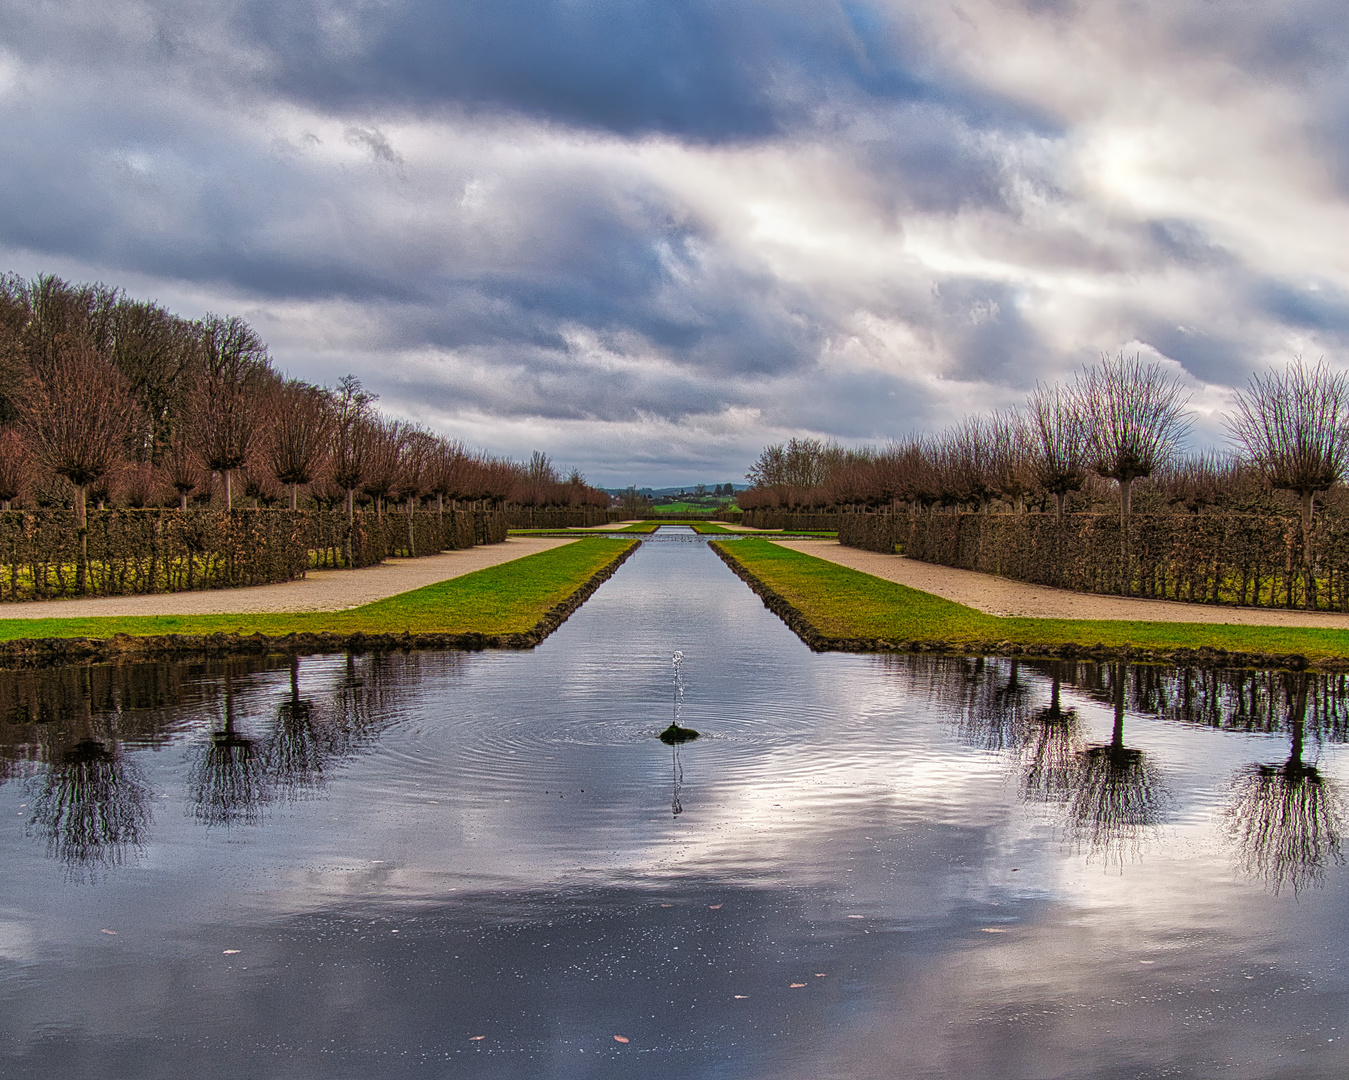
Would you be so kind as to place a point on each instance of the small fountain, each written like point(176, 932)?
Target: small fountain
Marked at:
point(674, 734)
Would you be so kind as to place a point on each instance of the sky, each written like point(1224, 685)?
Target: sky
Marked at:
point(650, 237)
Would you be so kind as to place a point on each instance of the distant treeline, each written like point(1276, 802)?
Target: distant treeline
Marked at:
point(117, 401)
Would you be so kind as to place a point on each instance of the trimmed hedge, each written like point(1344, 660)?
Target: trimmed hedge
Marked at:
point(1238, 559)
point(794, 520)
point(557, 517)
point(154, 551)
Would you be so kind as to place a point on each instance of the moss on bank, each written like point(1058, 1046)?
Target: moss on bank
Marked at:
point(835, 608)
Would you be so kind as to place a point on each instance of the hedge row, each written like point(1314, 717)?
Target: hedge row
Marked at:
point(1239, 559)
point(793, 519)
point(154, 551)
point(558, 517)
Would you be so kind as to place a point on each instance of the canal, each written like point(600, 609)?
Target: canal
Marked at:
point(489, 865)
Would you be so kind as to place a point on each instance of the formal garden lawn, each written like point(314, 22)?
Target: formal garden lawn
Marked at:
point(508, 598)
point(844, 603)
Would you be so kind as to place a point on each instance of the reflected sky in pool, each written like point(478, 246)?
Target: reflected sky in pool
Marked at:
point(440, 864)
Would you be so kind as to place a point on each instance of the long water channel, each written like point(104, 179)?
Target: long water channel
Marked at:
point(489, 865)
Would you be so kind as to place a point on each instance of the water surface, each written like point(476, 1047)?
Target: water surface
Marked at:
point(488, 865)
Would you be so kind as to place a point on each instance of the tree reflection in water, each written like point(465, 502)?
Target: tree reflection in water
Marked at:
point(994, 714)
point(227, 782)
point(1048, 754)
point(1287, 820)
point(297, 748)
point(1115, 795)
point(90, 804)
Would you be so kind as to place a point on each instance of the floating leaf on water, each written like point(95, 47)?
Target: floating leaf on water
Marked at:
point(620, 1038)
point(112, 932)
point(796, 986)
point(741, 997)
point(713, 907)
point(992, 930)
point(476, 1038)
point(819, 974)
point(230, 952)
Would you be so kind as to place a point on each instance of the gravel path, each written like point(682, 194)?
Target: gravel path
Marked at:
point(322, 590)
point(1000, 596)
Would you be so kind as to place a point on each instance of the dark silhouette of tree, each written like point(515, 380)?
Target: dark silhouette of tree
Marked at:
point(1287, 820)
point(227, 783)
point(89, 804)
point(1050, 749)
point(1292, 425)
point(1116, 795)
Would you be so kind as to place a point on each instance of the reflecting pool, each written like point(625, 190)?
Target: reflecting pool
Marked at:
point(490, 865)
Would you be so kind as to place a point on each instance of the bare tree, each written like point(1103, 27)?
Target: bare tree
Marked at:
point(1058, 442)
point(1011, 457)
point(76, 416)
point(350, 439)
point(14, 467)
point(182, 466)
point(1292, 425)
point(381, 462)
point(225, 405)
point(1135, 419)
point(300, 423)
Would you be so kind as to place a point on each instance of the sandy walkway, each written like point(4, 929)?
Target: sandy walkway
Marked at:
point(322, 590)
point(999, 596)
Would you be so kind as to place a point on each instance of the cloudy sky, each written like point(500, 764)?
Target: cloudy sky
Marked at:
point(650, 236)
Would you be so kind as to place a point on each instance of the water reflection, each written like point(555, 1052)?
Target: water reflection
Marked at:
point(73, 732)
point(1050, 749)
point(90, 804)
point(1115, 793)
point(1287, 819)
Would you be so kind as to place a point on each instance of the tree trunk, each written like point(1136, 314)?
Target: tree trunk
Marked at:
point(411, 548)
point(82, 531)
point(1125, 503)
point(294, 496)
point(182, 501)
point(229, 490)
point(1308, 581)
point(1060, 497)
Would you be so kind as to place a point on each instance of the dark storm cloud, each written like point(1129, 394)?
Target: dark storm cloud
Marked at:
point(848, 217)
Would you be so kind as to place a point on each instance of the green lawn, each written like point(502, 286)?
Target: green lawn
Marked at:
point(844, 603)
point(504, 599)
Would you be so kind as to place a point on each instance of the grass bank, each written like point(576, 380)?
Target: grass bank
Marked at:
point(510, 605)
point(834, 608)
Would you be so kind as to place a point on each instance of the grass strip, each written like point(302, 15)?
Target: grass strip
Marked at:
point(507, 605)
point(835, 608)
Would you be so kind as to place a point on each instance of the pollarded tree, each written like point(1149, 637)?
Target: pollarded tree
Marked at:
point(1135, 420)
point(14, 467)
point(1058, 442)
point(226, 400)
point(76, 416)
point(349, 452)
point(300, 424)
point(182, 467)
point(1292, 425)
